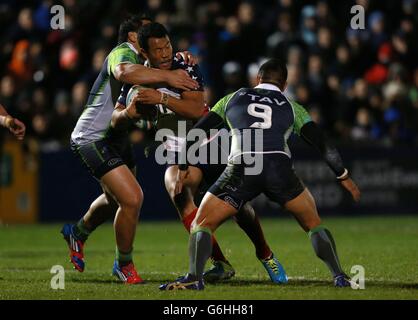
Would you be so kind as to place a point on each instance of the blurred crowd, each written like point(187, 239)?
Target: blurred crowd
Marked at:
point(359, 85)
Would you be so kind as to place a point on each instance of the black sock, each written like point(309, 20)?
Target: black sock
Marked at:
point(324, 247)
point(200, 248)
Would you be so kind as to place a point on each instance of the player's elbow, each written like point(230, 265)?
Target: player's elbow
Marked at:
point(121, 72)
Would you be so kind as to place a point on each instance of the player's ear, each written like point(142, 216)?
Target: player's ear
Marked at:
point(143, 53)
point(133, 37)
point(258, 79)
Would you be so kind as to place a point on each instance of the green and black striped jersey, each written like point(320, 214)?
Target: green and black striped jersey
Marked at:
point(94, 122)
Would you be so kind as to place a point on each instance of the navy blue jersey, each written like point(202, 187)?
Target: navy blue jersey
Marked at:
point(264, 107)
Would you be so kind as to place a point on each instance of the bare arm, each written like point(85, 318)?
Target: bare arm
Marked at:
point(15, 126)
point(122, 116)
point(138, 74)
point(191, 104)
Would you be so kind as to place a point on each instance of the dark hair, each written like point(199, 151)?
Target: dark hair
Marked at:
point(273, 71)
point(151, 30)
point(131, 24)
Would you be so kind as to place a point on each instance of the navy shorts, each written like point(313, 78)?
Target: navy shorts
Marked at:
point(102, 156)
point(214, 164)
point(278, 181)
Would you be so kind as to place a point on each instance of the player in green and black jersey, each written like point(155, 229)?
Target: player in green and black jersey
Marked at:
point(108, 155)
point(263, 110)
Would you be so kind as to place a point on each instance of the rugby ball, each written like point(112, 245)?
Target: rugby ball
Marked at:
point(147, 111)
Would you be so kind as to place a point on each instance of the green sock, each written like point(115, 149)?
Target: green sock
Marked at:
point(200, 249)
point(123, 258)
point(81, 231)
point(324, 247)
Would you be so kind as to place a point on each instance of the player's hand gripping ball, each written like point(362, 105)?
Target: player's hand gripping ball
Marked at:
point(146, 111)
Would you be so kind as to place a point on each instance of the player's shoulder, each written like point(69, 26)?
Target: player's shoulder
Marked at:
point(193, 70)
point(179, 63)
point(123, 48)
point(120, 46)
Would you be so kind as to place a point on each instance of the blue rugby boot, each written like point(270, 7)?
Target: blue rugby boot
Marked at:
point(342, 281)
point(275, 270)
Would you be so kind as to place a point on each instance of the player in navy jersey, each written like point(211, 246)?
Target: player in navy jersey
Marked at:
point(263, 109)
point(180, 107)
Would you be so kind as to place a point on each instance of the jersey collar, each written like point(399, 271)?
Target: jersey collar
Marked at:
point(130, 45)
point(268, 86)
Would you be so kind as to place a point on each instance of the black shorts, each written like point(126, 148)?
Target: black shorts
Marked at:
point(102, 156)
point(214, 162)
point(277, 181)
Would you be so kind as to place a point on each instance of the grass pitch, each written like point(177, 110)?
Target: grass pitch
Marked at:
point(387, 248)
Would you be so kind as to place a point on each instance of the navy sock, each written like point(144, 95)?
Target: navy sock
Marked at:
point(324, 247)
point(200, 248)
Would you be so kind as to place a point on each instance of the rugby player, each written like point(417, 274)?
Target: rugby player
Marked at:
point(262, 108)
point(179, 106)
point(108, 155)
point(15, 126)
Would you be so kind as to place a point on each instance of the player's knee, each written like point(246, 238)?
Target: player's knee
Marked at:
point(203, 224)
point(132, 201)
point(207, 222)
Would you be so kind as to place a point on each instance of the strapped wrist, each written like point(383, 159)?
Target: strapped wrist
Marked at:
point(344, 176)
point(6, 121)
point(164, 98)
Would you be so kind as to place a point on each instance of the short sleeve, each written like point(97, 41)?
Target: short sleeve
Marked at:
point(301, 117)
point(121, 54)
point(220, 107)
